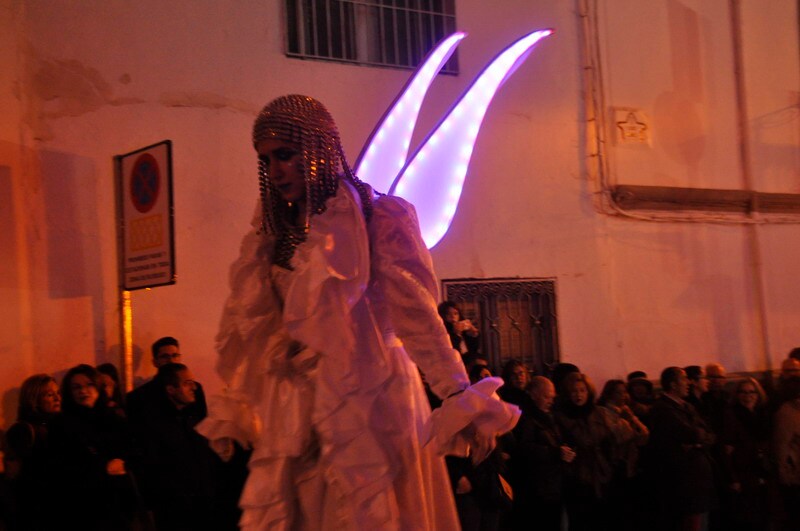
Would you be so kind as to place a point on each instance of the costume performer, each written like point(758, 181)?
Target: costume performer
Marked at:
point(332, 297)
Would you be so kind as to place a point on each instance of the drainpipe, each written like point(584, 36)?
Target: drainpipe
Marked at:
point(752, 229)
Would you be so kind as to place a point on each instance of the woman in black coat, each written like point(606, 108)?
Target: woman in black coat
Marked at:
point(587, 429)
point(29, 459)
point(746, 456)
point(94, 449)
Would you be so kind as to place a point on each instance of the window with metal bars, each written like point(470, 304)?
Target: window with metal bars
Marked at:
point(397, 33)
point(516, 318)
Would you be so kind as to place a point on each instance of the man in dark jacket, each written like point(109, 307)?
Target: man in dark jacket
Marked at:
point(539, 458)
point(679, 456)
point(180, 470)
point(144, 398)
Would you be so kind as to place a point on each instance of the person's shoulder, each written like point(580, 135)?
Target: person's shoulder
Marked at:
point(392, 207)
point(138, 400)
point(20, 434)
point(662, 404)
point(787, 409)
point(537, 419)
point(138, 393)
point(146, 387)
point(607, 413)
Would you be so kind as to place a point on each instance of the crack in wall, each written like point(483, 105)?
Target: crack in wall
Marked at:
point(67, 88)
point(206, 100)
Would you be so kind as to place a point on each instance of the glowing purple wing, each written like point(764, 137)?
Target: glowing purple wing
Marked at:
point(386, 150)
point(434, 177)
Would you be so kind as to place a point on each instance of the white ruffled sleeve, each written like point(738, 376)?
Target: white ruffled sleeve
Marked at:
point(403, 271)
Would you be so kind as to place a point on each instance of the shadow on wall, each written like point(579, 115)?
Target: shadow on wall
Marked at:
point(72, 220)
point(114, 355)
point(9, 404)
point(9, 268)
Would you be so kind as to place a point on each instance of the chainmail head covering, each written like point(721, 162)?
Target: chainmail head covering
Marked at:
point(304, 121)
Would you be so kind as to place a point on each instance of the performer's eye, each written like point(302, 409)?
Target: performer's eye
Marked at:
point(285, 154)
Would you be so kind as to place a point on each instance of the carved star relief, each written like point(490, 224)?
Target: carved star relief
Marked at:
point(632, 130)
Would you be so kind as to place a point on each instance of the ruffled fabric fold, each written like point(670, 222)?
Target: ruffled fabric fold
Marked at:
point(228, 418)
point(331, 274)
point(325, 308)
point(468, 422)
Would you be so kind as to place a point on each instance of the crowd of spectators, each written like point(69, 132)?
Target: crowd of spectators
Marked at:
point(690, 450)
point(695, 450)
point(83, 455)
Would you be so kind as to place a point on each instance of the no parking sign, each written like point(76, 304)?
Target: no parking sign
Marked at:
point(146, 217)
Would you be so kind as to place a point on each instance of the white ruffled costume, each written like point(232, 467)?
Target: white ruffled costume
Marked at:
point(321, 382)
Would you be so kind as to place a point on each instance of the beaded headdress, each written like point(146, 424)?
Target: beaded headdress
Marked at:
point(304, 121)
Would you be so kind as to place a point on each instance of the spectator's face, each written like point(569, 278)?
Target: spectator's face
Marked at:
point(716, 377)
point(184, 393)
point(579, 394)
point(107, 385)
point(640, 391)
point(452, 316)
point(681, 386)
point(84, 391)
point(167, 354)
point(701, 383)
point(747, 395)
point(50, 399)
point(519, 377)
point(544, 397)
point(620, 395)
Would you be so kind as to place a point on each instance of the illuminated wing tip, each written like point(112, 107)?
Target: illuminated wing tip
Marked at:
point(433, 180)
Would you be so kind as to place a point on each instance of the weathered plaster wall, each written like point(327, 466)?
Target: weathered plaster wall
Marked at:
point(83, 81)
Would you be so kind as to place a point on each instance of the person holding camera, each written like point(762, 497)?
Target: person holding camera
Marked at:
point(464, 335)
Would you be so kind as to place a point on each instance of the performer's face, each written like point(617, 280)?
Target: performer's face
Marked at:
point(284, 162)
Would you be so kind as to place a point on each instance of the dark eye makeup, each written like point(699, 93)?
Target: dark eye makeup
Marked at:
point(280, 154)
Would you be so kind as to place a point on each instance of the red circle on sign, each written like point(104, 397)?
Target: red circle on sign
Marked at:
point(145, 183)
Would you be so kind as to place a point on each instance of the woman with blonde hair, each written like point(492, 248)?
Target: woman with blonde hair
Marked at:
point(29, 459)
point(746, 457)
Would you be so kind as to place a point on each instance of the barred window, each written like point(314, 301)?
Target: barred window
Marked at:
point(516, 318)
point(397, 33)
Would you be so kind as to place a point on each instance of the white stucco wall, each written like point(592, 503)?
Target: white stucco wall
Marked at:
point(82, 81)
